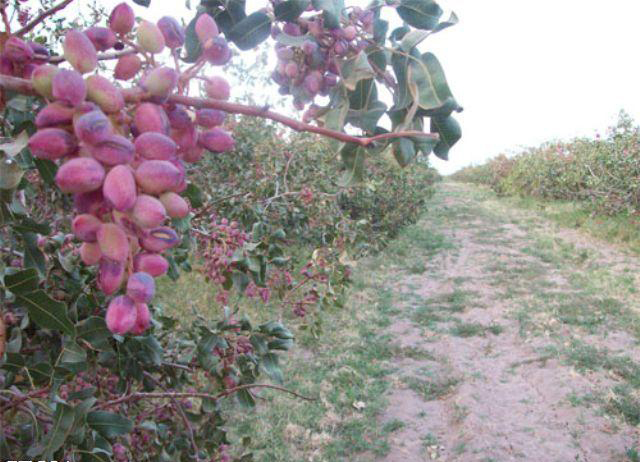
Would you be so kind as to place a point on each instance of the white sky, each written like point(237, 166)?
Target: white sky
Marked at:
point(526, 71)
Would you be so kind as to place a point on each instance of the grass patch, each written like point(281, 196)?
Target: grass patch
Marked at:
point(625, 401)
point(434, 388)
point(474, 329)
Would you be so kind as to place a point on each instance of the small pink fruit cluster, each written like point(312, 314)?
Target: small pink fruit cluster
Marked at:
point(312, 68)
point(125, 163)
point(20, 58)
point(220, 244)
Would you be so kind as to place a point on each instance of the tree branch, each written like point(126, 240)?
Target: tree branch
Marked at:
point(42, 16)
point(297, 125)
point(101, 56)
point(151, 395)
point(136, 96)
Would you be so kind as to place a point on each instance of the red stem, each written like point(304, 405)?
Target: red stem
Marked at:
point(42, 16)
point(136, 96)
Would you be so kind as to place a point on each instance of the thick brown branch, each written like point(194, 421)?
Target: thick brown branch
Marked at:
point(152, 395)
point(42, 16)
point(297, 125)
point(134, 96)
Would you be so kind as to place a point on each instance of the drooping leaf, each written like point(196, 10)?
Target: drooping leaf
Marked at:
point(47, 170)
point(270, 365)
point(331, 11)
point(397, 33)
point(109, 424)
point(16, 145)
point(94, 330)
point(251, 31)
point(364, 92)
point(452, 21)
point(404, 151)
point(428, 83)
point(356, 69)
point(450, 132)
point(191, 42)
point(353, 157)
point(377, 58)
point(60, 429)
point(402, 96)
point(415, 37)
point(421, 14)
point(231, 13)
point(380, 28)
point(73, 357)
point(290, 10)
point(33, 256)
point(46, 312)
point(367, 118)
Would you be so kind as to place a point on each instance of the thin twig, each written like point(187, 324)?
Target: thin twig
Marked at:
point(152, 395)
point(180, 411)
point(42, 16)
point(101, 56)
point(5, 19)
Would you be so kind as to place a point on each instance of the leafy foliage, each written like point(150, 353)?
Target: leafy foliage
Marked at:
point(268, 220)
point(601, 173)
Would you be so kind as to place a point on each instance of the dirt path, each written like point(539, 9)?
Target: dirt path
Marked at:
point(519, 340)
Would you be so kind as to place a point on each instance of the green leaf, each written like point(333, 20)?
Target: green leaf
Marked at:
point(428, 83)
point(246, 399)
point(353, 157)
point(415, 37)
point(232, 13)
point(144, 3)
point(46, 312)
point(60, 429)
point(47, 170)
point(94, 330)
point(365, 92)
point(421, 14)
point(73, 357)
point(22, 282)
point(195, 195)
point(404, 151)
point(27, 225)
point(17, 144)
point(109, 424)
point(450, 132)
point(251, 31)
point(191, 42)
point(270, 365)
point(380, 28)
point(290, 10)
point(367, 118)
point(452, 21)
point(402, 96)
point(291, 40)
point(331, 12)
point(33, 257)
point(356, 69)
point(377, 58)
point(398, 33)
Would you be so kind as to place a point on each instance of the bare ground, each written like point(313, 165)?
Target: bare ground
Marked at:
point(532, 340)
